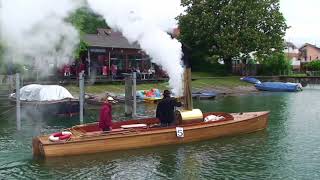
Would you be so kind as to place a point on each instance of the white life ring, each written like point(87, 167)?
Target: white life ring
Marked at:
point(60, 136)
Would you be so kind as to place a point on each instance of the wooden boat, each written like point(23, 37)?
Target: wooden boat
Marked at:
point(133, 134)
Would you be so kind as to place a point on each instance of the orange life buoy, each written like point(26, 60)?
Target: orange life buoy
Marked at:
point(60, 136)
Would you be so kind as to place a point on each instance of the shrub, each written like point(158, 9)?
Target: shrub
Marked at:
point(275, 64)
point(313, 66)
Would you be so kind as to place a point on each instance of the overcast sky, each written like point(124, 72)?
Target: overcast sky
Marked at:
point(303, 17)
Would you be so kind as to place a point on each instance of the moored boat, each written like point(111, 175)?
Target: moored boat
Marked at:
point(250, 80)
point(132, 134)
point(204, 95)
point(279, 86)
point(49, 99)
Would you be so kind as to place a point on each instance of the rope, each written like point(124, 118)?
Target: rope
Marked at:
point(9, 106)
point(6, 111)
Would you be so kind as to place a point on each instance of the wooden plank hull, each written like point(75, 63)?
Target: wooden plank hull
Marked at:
point(242, 123)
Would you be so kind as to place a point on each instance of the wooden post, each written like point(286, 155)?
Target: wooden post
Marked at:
point(134, 86)
point(18, 112)
point(187, 89)
point(128, 95)
point(109, 63)
point(89, 61)
point(81, 95)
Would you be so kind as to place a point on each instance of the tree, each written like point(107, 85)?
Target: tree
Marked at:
point(86, 22)
point(232, 29)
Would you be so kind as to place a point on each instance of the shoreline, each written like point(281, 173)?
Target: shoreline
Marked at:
point(222, 91)
point(234, 91)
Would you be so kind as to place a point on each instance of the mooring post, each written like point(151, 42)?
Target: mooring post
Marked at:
point(128, 99)
point(134, 85)
point(18, 112)
point(81, 95)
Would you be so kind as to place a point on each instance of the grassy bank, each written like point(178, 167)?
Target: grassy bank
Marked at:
point(200, 81)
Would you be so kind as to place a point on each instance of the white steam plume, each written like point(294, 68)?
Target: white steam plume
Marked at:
point(146, 22)
point(36, 30)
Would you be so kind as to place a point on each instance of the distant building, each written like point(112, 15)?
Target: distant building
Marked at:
point(309, 52)
point(293, 53)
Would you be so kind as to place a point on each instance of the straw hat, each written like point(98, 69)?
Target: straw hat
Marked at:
point(110, 98)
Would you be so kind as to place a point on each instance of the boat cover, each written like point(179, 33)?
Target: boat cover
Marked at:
point(251, 80)
point(278, 86)
point(208, 94)
point(37, 92)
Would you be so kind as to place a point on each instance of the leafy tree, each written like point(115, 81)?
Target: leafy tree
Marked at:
point(86, 22)
point(232, 28)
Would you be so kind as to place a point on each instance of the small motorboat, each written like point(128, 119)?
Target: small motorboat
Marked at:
point(204, 95)
point(49, 99)
point(250, 80)
point(279, 86)
point(149, 96)
point(132, 134)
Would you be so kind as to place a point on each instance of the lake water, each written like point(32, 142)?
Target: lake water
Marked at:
point(288, 149)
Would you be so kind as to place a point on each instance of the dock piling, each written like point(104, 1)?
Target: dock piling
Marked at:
point(81, 95)
point(18, 108)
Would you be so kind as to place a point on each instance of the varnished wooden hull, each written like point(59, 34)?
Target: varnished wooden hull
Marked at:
point(131, 139)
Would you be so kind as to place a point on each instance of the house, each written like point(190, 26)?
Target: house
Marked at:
point(110, 48)
point(309, 52)
point(293, 53)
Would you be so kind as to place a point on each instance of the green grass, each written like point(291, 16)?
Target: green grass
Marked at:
point(203, 74)
point(202, 83)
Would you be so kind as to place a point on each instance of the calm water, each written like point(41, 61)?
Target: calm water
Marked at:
point(288, 149)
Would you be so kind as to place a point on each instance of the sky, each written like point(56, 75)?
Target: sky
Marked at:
point(303, 18)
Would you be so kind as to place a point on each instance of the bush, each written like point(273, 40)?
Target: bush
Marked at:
point(201, 63)
point(275, 64)
point(313, 66)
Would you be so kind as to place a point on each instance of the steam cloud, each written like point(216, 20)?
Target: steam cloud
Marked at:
point(36, 30)
point(147, 22)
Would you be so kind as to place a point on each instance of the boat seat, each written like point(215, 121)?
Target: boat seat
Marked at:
point(133, 126)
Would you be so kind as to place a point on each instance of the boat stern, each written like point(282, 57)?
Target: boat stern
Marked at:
point(37, 148)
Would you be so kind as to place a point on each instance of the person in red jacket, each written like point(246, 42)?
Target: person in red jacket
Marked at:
point(105, 119)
